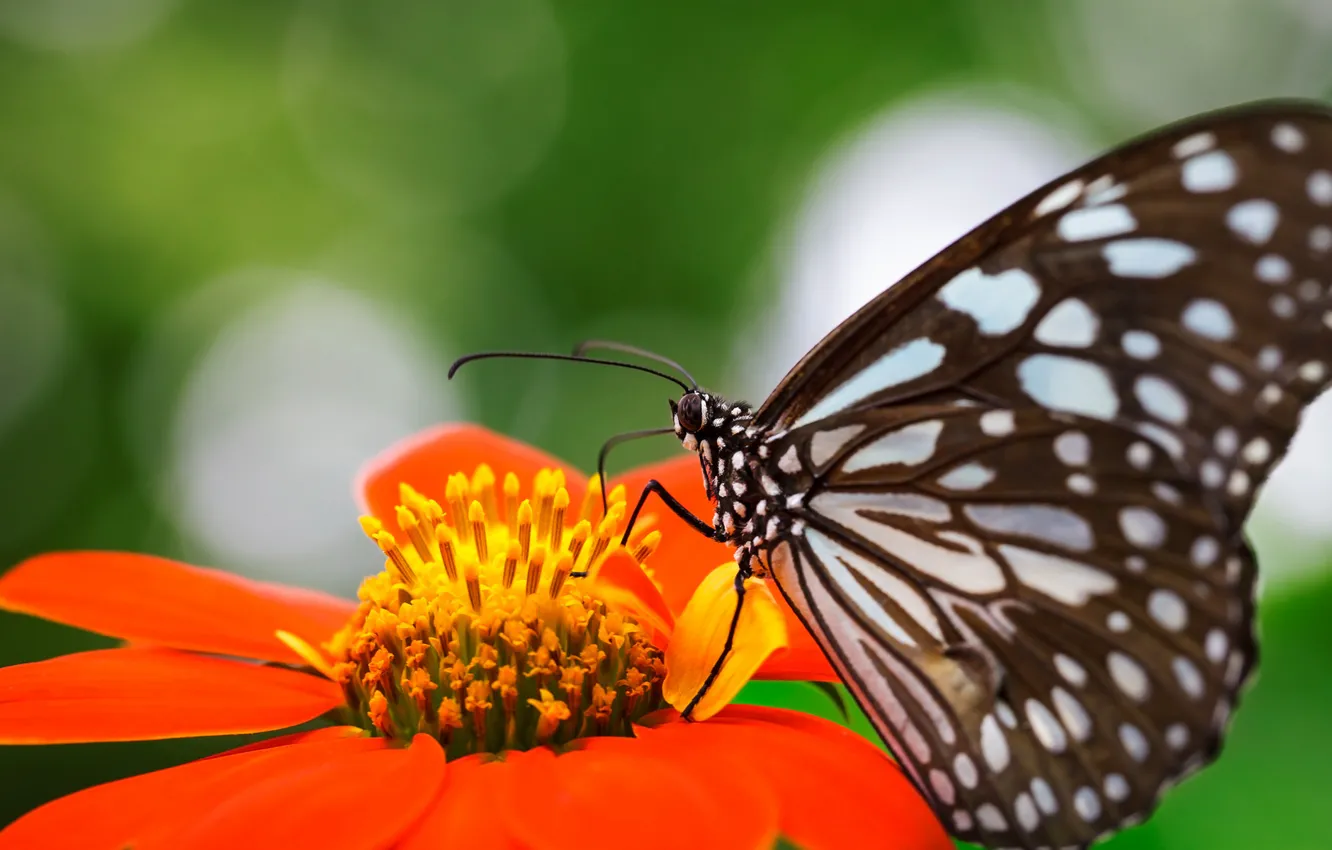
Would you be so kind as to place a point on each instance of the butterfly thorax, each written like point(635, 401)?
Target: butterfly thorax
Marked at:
point(730, 452)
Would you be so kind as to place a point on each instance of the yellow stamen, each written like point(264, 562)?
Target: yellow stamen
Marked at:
point(472, 576)
point(511, 563)
point(408, 522)
point(444, 642)
point(448, 551)
point(455, 492)
point(592, 500)
point(563, 567)
point(483, 489)
point(545, 507)
point(552, 713)
point(478, 702)
point(511, 502)
point(534, 566)
point(477, 516)
point(556, 531)
point(389, 547)
point(647, 546)
point(525, 528)
point(607, 530)
point(579, 538)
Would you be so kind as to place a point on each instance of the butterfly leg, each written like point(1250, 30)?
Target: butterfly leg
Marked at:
point(740, 575)
point(701, 526)
point(671, 502)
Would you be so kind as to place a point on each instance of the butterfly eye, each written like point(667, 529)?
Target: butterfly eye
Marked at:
point(691, 412)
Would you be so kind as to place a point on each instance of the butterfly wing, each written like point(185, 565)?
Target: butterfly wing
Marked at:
point(1045, 652)
point(1047, 645)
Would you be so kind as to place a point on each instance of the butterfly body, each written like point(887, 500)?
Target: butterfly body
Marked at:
point(1007, 496)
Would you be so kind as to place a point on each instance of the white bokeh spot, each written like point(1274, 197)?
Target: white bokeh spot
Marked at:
point(276, 419)
point(901, 190)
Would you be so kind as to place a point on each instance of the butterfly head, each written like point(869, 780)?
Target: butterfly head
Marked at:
point(692, 416)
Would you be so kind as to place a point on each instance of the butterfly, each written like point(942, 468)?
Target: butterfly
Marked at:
point(1007, 495)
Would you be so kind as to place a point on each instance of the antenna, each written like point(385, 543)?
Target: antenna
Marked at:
point(570, 358)
point(623, 348)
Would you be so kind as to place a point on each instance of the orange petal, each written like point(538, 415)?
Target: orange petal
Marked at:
point(153, 600)
point(120, 814)
point(834, 788)
point(325, 733)
point(620, 572)
point(136, 694)
point(426, 460)
point(361, 800)
point(472, 787)
point(685, 557)
point(700, 639)
point(671, 809)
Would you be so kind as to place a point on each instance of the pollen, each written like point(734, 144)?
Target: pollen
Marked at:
point(484, 628)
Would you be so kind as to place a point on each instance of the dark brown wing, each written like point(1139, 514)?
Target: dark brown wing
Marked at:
point(1039, 612)
point(958, 551)
point(1230, 208)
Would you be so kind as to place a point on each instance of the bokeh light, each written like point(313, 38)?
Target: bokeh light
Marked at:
point(276, 418)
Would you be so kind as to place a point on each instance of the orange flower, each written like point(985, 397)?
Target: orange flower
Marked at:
point(483, 690)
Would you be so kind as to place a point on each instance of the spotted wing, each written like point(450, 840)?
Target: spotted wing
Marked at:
point(1049, 642)
point(1046, 652)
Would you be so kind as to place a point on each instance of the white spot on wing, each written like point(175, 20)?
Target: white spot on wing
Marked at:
point(1134, 742)
point(1209, 318)
point(1070, 324)
point(998, 304)
point(1288, 137)
point(824, 445)
point(1096, 223)
point(1214, 171)
point(1070, 582)
point(970, 476)
point(1319, 187)
point(907, 362)
point(1069, 384)
point(1140, 345)
point(1168, 609)
point(1073, 448)
point(994, 746)
point(1073, 672)
point(1047, 728)
point(1143, 527)
point(1161, 399)
point(1072, 713)
point(997, 423)
point(1253, 221)
point(909, 445)
point(1195, 144)
point(1150, 257)
point(1052, 524)
point(1128, 675)
point(1059, 198)
point(964, 564)
point(965, 770)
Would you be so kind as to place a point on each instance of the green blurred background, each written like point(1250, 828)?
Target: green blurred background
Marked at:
point(240, 241)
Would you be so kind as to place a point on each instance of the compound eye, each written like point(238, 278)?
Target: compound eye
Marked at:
point(690, 412)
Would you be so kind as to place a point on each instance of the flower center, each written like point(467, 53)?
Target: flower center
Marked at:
point(481, 631)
